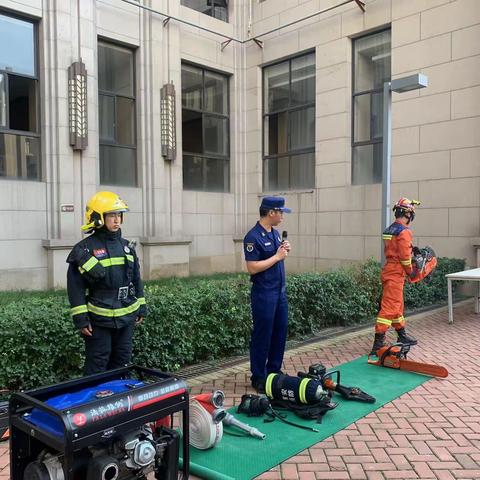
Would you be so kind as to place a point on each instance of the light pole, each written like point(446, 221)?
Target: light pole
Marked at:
point(399, 85)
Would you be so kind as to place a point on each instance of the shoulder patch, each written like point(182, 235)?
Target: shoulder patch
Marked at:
point(249, 247)
point(395, 229)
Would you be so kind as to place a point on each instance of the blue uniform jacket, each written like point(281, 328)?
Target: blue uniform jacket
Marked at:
point(259, 244)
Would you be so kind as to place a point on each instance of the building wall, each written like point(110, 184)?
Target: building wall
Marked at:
point(435, 150)
point(435, 140)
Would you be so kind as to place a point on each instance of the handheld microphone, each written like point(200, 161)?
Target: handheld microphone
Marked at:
point(284, 235)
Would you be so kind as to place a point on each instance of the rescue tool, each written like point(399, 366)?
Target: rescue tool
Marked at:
point(395, 356)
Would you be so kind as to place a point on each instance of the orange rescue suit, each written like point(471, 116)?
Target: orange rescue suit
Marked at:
point(397, 240)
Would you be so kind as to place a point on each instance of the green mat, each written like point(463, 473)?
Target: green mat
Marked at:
point(246, 457)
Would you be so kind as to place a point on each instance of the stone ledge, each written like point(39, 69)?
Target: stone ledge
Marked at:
point(59, 243)
point(152, 241)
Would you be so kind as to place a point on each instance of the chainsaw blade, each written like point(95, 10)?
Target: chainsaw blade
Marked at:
point(425, 368)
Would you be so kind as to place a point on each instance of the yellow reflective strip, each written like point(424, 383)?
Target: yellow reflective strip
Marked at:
point(141, 301)
point(110, 262)
point(89, 264)
point(78, 310)
point(385, 321)
point(406, 262)
point(113, 312)
point(268, 384)
point(387, 237)
point(81, 270)
point(302, 388)
point(129, 258)
point(398, 320)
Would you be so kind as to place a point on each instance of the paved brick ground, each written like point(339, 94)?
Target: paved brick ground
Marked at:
point(432, 432)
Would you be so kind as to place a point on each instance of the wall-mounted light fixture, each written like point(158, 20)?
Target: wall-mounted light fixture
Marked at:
point(77, 106)
point(168, 130)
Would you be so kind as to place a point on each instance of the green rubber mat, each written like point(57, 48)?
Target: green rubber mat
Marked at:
point(247, 457)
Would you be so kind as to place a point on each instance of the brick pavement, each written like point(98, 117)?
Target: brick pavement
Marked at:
point(432, 432)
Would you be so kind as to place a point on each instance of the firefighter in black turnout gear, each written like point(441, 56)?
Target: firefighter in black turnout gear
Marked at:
point(104, 286)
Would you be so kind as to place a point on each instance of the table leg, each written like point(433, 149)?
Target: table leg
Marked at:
point(477, 299)
point(450, 305)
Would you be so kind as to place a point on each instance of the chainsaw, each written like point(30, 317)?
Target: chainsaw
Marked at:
point(395, 356)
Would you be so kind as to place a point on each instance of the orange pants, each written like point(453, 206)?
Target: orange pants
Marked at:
point(391, 309)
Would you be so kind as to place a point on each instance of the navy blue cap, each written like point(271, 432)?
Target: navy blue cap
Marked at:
point(274, 203)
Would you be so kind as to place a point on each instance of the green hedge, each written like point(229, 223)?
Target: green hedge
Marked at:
point(191, 320)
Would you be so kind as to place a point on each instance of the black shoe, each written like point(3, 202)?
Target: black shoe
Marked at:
point(404, 338)
point(259, 385)
point(378, 343)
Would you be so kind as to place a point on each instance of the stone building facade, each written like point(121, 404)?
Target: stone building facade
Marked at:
point(272, 97)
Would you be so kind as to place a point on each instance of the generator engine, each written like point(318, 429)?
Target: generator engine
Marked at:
point(131, 457)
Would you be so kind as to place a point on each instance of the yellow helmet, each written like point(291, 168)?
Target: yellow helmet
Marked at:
point(100, 204)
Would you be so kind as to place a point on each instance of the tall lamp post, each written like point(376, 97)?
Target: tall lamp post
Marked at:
point(399, 85)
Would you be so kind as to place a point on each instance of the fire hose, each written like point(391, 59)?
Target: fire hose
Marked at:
point(207, 416)
point(204, 431)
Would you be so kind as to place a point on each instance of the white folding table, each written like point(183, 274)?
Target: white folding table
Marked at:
point(474, 275)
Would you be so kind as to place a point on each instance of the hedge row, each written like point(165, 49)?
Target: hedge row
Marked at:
point(191, 320)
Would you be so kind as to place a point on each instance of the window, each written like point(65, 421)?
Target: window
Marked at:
point(205, 130)
point(19, 133)
point(289, 124)
point(213, 8)
point(116, 115)
point(371, 69)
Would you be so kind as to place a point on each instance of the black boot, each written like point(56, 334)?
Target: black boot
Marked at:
point(378, 343)
point(404, 338)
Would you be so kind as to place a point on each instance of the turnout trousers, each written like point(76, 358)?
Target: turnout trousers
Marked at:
point(270, 322)
point(391, 309)
point(107, 348)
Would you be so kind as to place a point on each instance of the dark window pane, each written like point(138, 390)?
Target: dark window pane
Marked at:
point(276, 84)
point(216, 135)
point(276, 140)
point(192, 87)
point(221, 12)
point(125, 121)
point(303, 80)
point(362, 118)
point(213, 8)
point(22, 103)
point(192, 172)
point(17, 46)
point(302, 128)
point(3, 100)
point(302, 171)
point(372, 61)
point(377, 116)
point(115, 69)
point(216, 93)
point(117, 166)
point(367, 164)
point(192, 134)
point(19, 156)
point(216, 175)
point(276, 173)
point(106, 120)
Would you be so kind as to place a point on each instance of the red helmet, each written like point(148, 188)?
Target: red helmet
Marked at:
point(406, 206)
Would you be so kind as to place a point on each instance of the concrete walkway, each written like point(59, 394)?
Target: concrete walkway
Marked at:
point(432, 432)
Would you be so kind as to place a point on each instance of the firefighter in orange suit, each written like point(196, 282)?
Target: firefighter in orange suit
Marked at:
point(397, 240)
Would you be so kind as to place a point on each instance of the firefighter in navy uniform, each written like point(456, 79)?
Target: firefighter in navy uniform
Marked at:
point(398, 248)
point(264, 255)
point(104, 286)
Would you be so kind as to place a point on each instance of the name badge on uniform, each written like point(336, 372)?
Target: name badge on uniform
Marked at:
point(268, 244)
point(249, 247)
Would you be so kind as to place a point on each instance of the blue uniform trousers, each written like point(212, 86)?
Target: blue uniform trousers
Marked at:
point(270, 322)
